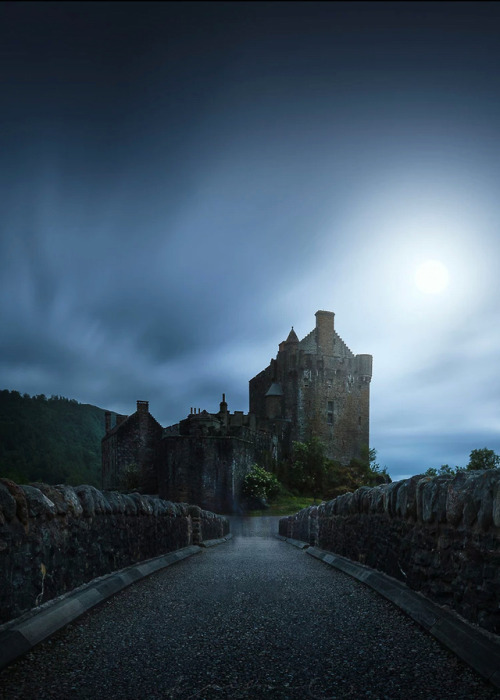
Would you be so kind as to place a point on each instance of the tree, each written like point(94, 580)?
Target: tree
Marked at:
point(54, 440)
point(310, 466)
point(483, 459)
point(478, 460)
point(379, 475)
point(363, 471)
point(312, 472)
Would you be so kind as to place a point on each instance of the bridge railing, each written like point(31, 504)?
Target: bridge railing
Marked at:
point(439, 535)
point(55, 538)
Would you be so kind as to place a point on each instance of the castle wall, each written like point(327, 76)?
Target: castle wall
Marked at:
point(258, 388)
point(111, 473)
point(204, 470)
point(440, 536)
point(334, 405)
point(130, 453)
point(56, 538)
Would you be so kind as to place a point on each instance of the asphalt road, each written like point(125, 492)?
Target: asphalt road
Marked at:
point(252, 618)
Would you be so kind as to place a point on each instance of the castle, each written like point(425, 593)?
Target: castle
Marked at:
point(314, 387)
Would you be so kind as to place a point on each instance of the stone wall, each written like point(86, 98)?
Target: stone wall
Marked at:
point(208, 471)
point(130, 452)
point(440, 535)
point(55, 538)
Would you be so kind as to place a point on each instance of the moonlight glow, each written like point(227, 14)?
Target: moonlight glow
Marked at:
point(432, 277)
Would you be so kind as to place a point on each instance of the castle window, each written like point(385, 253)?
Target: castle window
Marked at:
point(329, 413)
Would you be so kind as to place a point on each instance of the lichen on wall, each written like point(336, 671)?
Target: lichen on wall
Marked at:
point(55, 538)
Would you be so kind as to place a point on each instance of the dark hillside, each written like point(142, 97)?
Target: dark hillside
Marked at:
point(54, 440)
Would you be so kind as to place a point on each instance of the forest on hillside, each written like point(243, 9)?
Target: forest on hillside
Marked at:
point(54, 440)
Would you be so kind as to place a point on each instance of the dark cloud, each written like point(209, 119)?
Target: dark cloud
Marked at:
point(182, 182)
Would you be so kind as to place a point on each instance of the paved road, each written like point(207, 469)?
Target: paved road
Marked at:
point(252, 618)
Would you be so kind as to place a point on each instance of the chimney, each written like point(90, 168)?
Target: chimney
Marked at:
point(143, 407)
point(223, 412)
point(107, 421)
point(324, 331)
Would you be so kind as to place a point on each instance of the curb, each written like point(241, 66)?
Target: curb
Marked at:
point(19, 636)
point(214, 543)
point(476, 647)
point(296, 543)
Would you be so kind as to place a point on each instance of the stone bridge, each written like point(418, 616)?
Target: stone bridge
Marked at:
point(252, 617)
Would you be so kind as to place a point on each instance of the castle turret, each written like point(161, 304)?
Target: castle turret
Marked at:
point(292, 342)
point(292, 337)
point(274, 401)
point(364, 366)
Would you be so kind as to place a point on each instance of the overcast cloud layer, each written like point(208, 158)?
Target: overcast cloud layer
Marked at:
point(182, 183)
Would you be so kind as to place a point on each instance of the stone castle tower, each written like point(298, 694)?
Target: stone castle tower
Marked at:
point(316, 387)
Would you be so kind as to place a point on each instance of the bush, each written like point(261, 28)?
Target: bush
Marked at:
point(259, 483)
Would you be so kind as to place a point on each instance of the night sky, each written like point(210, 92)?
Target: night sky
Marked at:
point(182, 183)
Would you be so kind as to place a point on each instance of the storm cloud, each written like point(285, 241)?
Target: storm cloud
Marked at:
point(182, 183)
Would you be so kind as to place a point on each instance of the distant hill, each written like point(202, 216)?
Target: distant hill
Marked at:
point(54, 440)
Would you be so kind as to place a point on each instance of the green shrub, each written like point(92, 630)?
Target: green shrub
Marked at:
point(259, 483)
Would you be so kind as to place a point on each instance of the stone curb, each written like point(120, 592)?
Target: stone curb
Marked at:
point(19, 636)
point(476, 647)
point(296, 543)
point(214, 543)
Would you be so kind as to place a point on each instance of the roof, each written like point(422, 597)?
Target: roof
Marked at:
point(275, 390)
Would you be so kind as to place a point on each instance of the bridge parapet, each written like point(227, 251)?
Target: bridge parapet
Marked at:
point(55, 538)
point(439, 535)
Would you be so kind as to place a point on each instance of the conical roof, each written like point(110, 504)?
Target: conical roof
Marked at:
point(292, 337)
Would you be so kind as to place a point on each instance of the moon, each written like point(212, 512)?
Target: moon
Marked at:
point(432, 277)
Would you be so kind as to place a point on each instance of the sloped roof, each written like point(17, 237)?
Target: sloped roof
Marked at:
point(292, 337)
point(275, 390)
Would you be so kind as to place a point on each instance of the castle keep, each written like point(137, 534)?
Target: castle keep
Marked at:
point(314, 387)
point(317, 387)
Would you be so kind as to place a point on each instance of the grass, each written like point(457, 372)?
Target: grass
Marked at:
point(286, 504)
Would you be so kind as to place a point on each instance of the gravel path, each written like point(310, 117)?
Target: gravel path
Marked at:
point(252, 618)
